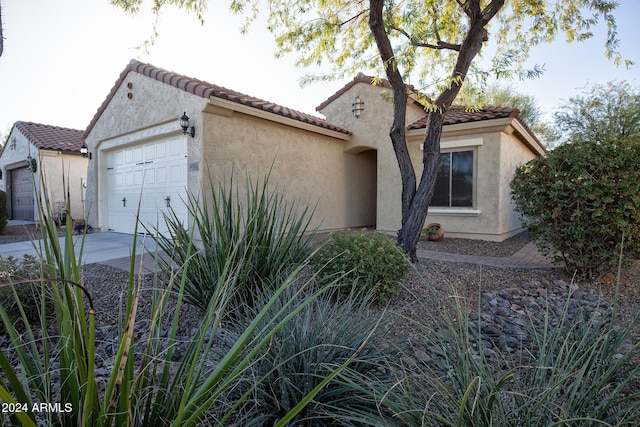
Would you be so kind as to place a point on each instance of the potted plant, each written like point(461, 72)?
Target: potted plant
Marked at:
point(434, 232)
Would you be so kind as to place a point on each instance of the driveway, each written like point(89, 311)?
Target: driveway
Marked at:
point(98, 247)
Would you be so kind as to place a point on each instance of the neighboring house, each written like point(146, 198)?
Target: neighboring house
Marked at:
point(34, 148)
point(139, 156)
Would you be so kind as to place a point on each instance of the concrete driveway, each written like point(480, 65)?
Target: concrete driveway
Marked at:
point(98, 247)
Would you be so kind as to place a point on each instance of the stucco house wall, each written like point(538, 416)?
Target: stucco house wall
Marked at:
point(138, 110)
point(308, 167)
point(371, 132)
point(497, 146)
point(61, 166)
point(309, 163)
point(344, 165)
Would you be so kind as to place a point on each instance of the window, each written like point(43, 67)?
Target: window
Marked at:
point(454, 183)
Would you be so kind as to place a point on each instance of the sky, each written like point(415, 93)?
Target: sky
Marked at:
point(62, 57)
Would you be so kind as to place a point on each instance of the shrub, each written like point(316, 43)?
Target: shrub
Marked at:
point(370, 263)
point(4, 212)
point(580, 200)
point(319, 338)
point(269, 234)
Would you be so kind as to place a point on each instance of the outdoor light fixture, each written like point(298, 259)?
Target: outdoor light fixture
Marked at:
point(358, 107)
point(184, 124)
point(32, 164)
point(13, 143)
point(84, 150)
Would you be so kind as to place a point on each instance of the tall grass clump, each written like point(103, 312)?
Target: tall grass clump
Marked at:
point(254, 229)
point(53, 362)
point(26, 269)
point(571, 373)
point(320, 338)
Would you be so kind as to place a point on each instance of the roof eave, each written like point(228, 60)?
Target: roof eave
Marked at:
point(521, 132)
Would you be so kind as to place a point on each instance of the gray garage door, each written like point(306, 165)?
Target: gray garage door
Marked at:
point(22, 203)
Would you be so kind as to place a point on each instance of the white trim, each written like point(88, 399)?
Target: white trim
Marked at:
point(443, 211)
point(458, 143)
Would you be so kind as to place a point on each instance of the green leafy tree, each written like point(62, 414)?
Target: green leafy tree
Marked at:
point(435, 40)
point(506, 96)
point(600, 113)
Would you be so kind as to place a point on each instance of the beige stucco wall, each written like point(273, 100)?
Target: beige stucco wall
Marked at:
point(309, 163)
point(60, 171)
point(64, 174)
point(513, 153)
point(496, 154)
point(151, 112)
point(371, 132)
point(306, 166)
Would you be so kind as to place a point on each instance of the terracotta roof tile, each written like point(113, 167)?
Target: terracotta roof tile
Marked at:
point(48, 137)
point(207, 90)
point(459, 114)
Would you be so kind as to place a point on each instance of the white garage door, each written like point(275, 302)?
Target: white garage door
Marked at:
point(153, 175)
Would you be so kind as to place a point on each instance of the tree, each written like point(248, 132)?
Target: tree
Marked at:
point(434, 40)
point(600, 113)
point(506, 96)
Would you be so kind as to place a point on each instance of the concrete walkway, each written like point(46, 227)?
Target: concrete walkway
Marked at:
point(114, 249)
point(527, 257)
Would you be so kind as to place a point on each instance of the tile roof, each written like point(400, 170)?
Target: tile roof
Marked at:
point(359, 78)
point(459, 114)
point(207, 90)
point(49, 137)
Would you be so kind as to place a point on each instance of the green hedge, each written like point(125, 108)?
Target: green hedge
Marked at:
point(580, 201)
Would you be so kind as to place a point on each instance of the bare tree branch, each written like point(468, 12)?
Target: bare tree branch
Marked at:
point(438, 46)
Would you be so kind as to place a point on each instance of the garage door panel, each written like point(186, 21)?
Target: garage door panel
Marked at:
point(153, 174)
point(22, 194)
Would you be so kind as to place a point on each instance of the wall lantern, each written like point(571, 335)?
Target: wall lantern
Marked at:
point(13, 143)
point(32, 164)
point(84, 150)
point(184, 124)
point(358, 107)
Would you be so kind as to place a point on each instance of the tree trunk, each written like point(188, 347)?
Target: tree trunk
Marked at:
point(398, 128)
point(411, 228)
point(415, 201)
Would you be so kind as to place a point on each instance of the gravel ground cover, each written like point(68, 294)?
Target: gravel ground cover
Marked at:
point(502, 300)
point(465, 282)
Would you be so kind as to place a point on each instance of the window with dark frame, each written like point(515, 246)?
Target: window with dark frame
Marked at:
point(454, 182)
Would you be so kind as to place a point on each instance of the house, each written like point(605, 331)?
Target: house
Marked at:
point(56, 152)
point(140, 157)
